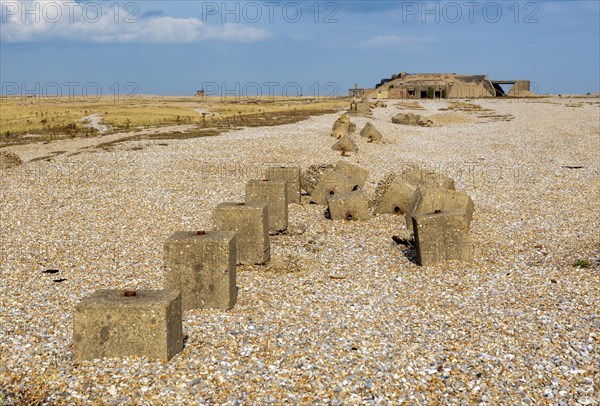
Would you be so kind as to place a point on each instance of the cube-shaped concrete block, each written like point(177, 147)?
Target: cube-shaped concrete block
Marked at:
point(116, 323)
point(250, 222)
point(433, 199)
point(330, 184)
point(273, 193)
point(351, 206)
point(397, 198)
point(289, 174)
point(201, 265)
point(441, 236)
point(355, 174)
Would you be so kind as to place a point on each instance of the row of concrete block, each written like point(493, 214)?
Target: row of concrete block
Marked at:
point(200, 273)
point(200, 266)
point(439, 216)
point(342, 129)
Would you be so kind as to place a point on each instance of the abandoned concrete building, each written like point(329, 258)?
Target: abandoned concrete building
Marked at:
point(441, 86)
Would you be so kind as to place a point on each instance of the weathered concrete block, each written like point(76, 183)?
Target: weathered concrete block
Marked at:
point(397, 198)
point(289, 174)
point(441, 236)
point(355, 174)
point(351, 206)
point(417, 176)
point(110, 324)
point(411, 119)
point(273, 193)
point(330, 183)
point(433, 199)
point(250, 222)
point(201, 265)
point(371, 133)
point(345, 144)
point(341, 131)
point(341, 127)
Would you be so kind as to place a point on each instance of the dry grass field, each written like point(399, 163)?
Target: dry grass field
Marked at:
point(23, 120)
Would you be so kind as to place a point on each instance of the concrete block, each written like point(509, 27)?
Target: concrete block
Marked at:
point(341, 127)
point(330, 183)
point(273, 193)
point(441, 236)
point(433, 199)
point(355, 174)
point(397, 197)
point(345, 144)
point(340, 131)
point(115, 323)
point(201, 265)
point(250, 222)
point(418, 176)
point(370, 133)
point(351, 206)
point(290, 174)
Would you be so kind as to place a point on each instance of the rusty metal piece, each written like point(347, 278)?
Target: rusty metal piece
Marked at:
point(129, 293)
point(201, 232)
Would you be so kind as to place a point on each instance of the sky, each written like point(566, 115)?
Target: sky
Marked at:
point(288, 48)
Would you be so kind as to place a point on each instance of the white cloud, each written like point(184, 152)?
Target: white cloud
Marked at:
point(395, 41)
point(47, 20)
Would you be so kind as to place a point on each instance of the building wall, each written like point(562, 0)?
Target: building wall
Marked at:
point(450, 89)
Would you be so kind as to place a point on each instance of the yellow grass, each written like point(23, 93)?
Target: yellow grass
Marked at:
point(52, 115)
point(412, 105)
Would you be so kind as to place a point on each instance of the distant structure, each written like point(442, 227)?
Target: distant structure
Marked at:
point(200, 92)
point(441, 86)
point(358, 93)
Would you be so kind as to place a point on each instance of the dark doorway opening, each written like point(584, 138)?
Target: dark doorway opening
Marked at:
point(423, 94)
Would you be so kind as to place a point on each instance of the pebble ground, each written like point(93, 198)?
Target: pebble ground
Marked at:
point(340, 315)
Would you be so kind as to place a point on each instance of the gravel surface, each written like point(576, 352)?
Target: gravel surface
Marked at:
point(340, 315)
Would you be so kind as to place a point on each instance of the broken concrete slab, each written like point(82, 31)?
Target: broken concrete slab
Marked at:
point(345, 144)
point(441, 236)
point(201, 265)
point(371, 133)
point(289, 174)
point(250, 222)
point(355, 174)
point(437, 200)
point(273, 193)
point(117, 323)
point(351, 206)
point(331, 183)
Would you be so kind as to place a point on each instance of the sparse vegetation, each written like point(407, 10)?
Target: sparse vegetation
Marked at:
point(582, 263)
point(463, 106)
point(413, 105)
point(53, 118)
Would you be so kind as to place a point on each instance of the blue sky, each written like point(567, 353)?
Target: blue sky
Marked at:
point(290, 47)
